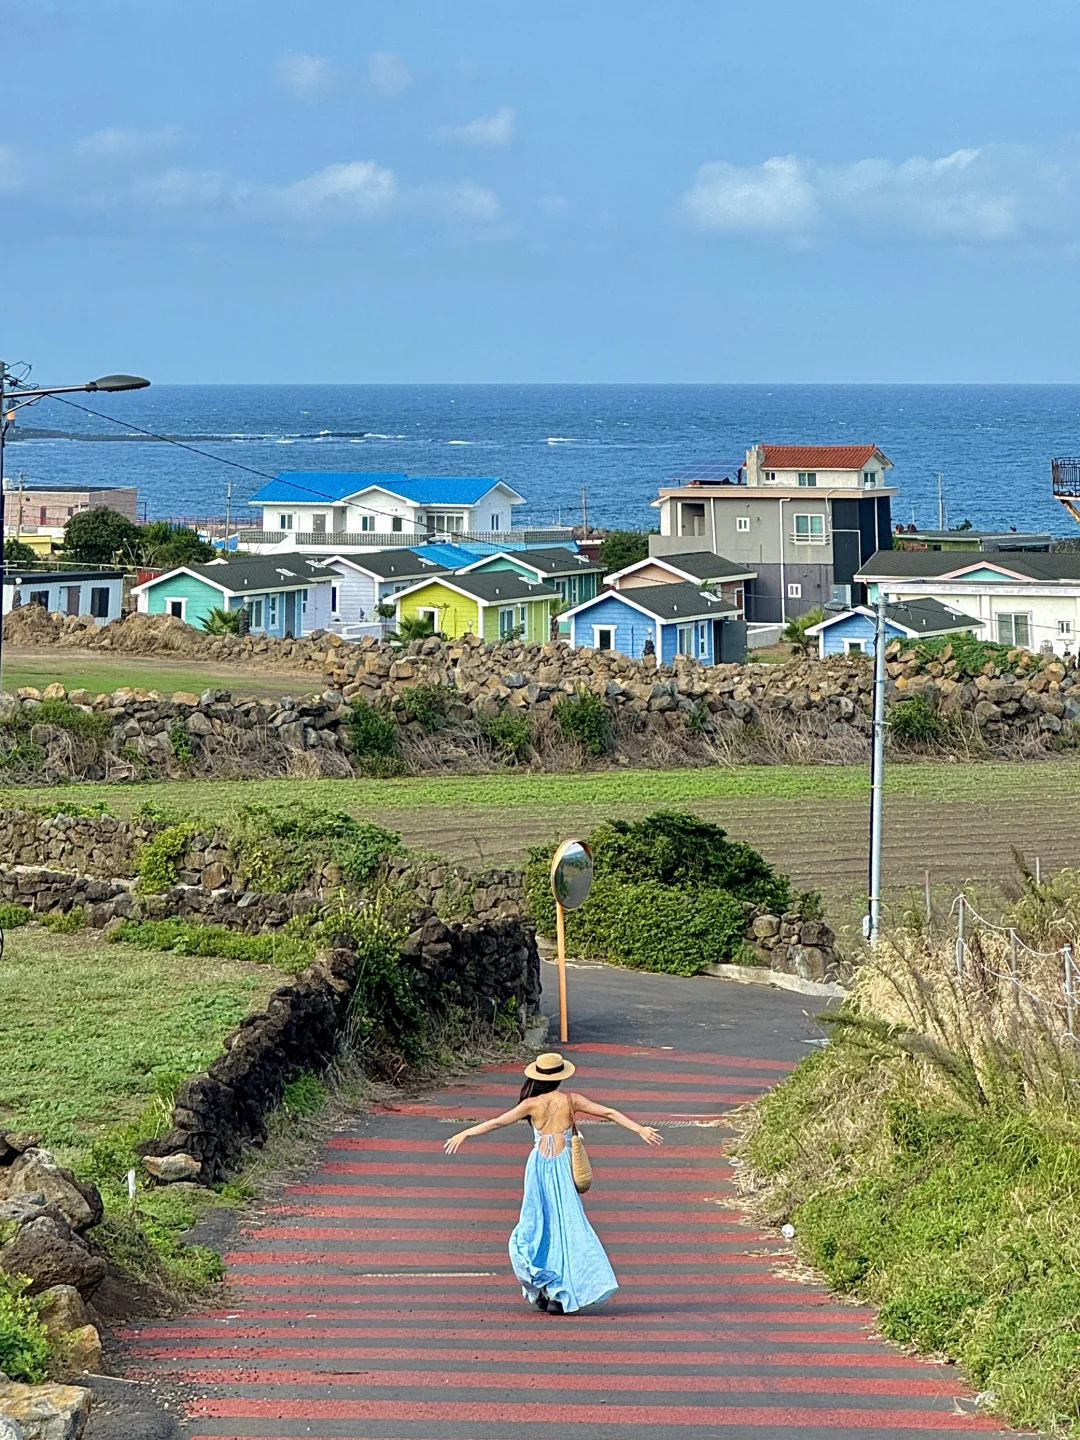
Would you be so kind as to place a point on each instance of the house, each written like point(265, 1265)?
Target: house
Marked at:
point(355, 508)
point(694, 567)
point(909, 538)
point(360, 583)
point(574, 576)
point(802, 517)
point(284, 596)
point(98, 593)
point(855, 631)
point(34, 506)
point(1025, 599)
point(679, 619)
point(494, 607)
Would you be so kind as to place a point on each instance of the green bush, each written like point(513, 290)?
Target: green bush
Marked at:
point(915, 722)
point(373, 730)
point(971, 654)
point(65, 922)
point(657, 927)
point(585, 717)
point(13, 915)
point(427, 704)
point(509, 733)
point(21, 747)
point(384, 1012)
point(190, 937)
point(278, 849)
point(24, 1342)
point(182, 743)
point(158, 862)
point(304, 1096)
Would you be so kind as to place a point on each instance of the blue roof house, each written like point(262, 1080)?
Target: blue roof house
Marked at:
point(352, 507)
point(855, 631)
point(678, 619)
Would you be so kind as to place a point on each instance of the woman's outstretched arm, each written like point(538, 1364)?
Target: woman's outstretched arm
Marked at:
point(605, 1112)
point(519, 1112)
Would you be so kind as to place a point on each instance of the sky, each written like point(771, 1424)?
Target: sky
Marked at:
point(493, 191)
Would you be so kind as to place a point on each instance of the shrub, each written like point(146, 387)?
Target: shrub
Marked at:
point(65, 922)
point(427, 704)
point(509, 733)
point(279, 849)
point(158, 862)
point(585, 717)
point(190, 937)
point(657, 927)
point(24, 1341)
point(90, 730)
point(13, 915)
point(969, 653)
point(218, 621)
point(304, 1096)
point(915, 722)
point(624, 547)
point(384, 1011)
point(182, 743)
point(373, 730)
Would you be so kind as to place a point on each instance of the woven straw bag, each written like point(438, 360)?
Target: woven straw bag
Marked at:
point(580, 1164)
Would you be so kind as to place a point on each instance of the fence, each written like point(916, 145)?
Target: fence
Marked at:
point(1053, 971)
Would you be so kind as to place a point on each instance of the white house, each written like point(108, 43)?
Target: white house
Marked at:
point(363, 582)
point(301, 509)
point(1024, 599)
point(97, 593)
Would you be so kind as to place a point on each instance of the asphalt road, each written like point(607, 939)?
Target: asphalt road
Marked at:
point(378, 1303)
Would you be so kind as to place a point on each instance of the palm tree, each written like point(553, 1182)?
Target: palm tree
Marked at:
point(223, 622)
point(796, 628)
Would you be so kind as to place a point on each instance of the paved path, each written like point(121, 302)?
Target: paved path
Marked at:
point(378, 1303)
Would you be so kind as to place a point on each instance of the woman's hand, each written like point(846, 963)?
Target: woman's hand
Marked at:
point(649, 1135)
point(454, 1144)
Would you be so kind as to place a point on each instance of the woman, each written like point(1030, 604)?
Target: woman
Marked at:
point(554, 1250)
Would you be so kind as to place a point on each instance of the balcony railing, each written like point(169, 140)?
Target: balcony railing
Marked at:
point(1066, 476)
point(383, 539)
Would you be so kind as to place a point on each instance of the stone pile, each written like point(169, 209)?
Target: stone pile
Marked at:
point(792, 945)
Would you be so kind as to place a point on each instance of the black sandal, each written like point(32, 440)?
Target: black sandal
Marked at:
point(541, 1301)
point(554, 1307)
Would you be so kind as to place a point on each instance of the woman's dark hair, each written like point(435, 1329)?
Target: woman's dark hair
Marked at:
point(537, 1087)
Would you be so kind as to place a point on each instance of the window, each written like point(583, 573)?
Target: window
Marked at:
point(869, 478)
point(438, 524)
point(395, 525)
point(809, 529)
point(738, 598)
point(256, 608)
point(318, 524)
point(176, 608)
point(39, 597)
point(603, 637)
point(303, 603)
point(334, 599)
point(271, 611)
point(521, 615)
point(742, 523)
point(1064, 629)
point(854, 647)
point(285, 522)
point(1014, 630)
point(71, 511)
point(99, 602)
point(684, 642)
point(429, 613)
point(770, 474)
point(367, 522)
point(496, 522)
point(506, 622)
point(692, 518)
point(794, 591)
point(807, 478)
point(702, 638)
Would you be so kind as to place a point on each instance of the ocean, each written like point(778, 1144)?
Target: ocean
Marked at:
point(992, 443)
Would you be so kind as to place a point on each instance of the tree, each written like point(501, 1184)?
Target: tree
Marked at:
point(166, 546)
point(796, 628)
point(415, 627)
point(16, 553)
point(622, 548)
point(224, 622)
point(99, 536)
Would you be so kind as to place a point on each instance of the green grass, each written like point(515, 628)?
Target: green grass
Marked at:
point(104, 674)
point(88, 1034)
point(214, 799)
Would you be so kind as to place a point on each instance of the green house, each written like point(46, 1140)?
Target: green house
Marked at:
point(574, 576)
point(495, 606)
point(285, 595)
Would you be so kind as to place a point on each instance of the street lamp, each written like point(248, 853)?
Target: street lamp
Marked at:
point(13, 396)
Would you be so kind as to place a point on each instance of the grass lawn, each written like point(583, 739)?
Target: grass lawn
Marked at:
point(102, 674)
point(90, 1034)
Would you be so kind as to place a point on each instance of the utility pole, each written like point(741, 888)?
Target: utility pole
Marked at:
point(877, 772)
point(940, 502)
point(228, 514)
point(18, 522)
point(584, 515)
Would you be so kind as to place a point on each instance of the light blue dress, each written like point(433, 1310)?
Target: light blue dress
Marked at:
point(553, 1247)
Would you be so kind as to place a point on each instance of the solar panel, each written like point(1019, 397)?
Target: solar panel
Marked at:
point(711, 470)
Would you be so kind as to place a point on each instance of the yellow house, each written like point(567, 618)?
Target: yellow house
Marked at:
point(495, 606)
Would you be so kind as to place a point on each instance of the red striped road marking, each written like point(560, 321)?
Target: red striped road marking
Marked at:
point(453, 1235)
point(643, 1082)
point(525, 1412)
point(713, 1217)
point(503, 1172)
point(521, 1148)
point(459, 1192)
point(644, 1109)
point(673, 1057)
point(861, 1359)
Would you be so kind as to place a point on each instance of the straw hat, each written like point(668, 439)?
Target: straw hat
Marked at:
point(551, 1066)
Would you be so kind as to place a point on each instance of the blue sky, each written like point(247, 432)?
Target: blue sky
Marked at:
point(487, 190)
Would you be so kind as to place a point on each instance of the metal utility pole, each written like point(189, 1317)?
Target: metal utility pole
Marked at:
point(584, 515)
point(877, 773)
point(228, 515)
point(940, 502)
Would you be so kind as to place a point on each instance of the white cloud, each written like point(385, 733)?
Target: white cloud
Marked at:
point(773, 196)
point(491, 131)
point(115, 143)
point(182, 189)
point(388, 74)
point(304, 75)
point(355, 187)
point(990, 194)
point(464, 202)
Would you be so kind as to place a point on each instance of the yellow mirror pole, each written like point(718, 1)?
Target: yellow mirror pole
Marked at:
point(560, 930)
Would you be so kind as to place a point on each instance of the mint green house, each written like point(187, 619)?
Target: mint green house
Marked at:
point(574, 576)
point(284, 595)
